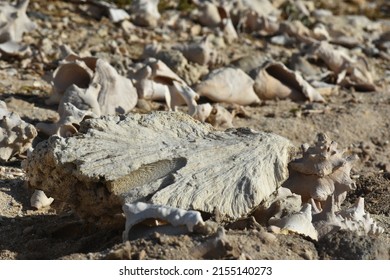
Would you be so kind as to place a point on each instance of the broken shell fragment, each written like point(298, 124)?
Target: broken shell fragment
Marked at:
point(16, 136)
point(298, 222)
point(353, 218)
point(138, 212)
point(220, 117)
point(198, 52)
point(170, 159)
point(14, 21)
point(275, 80)
point(39, 200)
point(68, 124)
point(230, 85)
point(13, 24)
point(157, 81)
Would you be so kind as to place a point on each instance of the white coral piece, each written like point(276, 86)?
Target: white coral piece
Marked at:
point(231, 85)
point(16, 135)
point(138, 212)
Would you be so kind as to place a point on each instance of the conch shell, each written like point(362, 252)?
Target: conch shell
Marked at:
point(275, 80)
point(16, 136)
point(87, 87)
point(138, 212)
point(321, 172)
point(349, 71)
point(157, 81)
point(116, 94)
point(230, 85)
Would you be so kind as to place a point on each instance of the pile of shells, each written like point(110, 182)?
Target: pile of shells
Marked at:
point(105, 160)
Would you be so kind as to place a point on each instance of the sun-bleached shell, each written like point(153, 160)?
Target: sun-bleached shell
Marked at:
point(353, 218)
point(164, 158)
point(350, 72)
point(16, 136)
point(140, 211)
point(14, 21)
point(145, 12)
point(116, 94)
point(208, 14)
point(68, 124)
point(39, 200)
point(220, 117)
point(275, 80)
point(322, 171)
point(157, 81)
point(198, 52)
point(297, 222)
point(230, 85)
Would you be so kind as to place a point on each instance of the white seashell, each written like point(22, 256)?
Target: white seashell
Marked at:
point(275, 80)
point(39, 200)
point(229, 85)
point(335, 59)
point(14, 49)
point(70, 118)
point(208, 14)
point(72, 70)
point(202, 112)
point(13, 24)
point(117, 94)
point(220, 117)
point(282, 203)
point(298, 222)
point(117, 15)
point(354, 219)
point(102, 85)
point(157, 72)
point(138, 212)
point(16, 135)
point(14, 21)
point(83, 99)
point(322, 171)
point(145, 12)
point(197, 52)
point(229, 32)
point(168, 156)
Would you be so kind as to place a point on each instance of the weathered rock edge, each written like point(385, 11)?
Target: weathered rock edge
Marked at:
point(165, 158)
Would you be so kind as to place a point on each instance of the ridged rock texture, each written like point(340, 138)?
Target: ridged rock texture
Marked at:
point(164, 158)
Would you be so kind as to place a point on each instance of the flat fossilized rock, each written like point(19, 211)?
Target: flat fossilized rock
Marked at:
point(165, 158)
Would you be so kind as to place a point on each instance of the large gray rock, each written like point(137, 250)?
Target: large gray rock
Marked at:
point(165, 158)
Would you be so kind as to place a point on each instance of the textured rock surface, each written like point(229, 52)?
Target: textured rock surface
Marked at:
point(165, 158)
